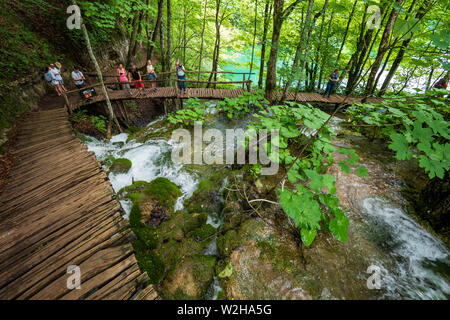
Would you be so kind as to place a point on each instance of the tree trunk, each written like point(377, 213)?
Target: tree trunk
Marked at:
point(279, 15)
point(158, 27)
point(382, 48)
point(346, 32)
point(254, 39)
point(202, 41)
point(267, 13)
point(169, 36)
point(299, 50)
point(215, 60)
point(401, 53)
point(111, 116)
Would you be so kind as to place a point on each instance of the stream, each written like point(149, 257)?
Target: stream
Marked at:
point(414, 264)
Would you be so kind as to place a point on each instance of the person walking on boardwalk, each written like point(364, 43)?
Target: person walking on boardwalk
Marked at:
point(49, 78)
point(78, 78)
point(135, 75)
point(181, 74)
point(151, 74)
point(332, 82)
point(123, 79)
point(57, 82)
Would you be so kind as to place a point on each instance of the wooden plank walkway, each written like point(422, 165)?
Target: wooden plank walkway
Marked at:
point(57, 210)
point(208, 93)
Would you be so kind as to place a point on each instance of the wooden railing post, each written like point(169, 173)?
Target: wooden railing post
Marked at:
point(67, 103)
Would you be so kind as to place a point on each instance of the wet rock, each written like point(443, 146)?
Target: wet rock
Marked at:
point(269, 264)
point(191, 279)
point(120, 165)
point(207, 198)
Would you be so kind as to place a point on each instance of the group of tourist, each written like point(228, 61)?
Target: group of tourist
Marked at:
point(134, 76)
point(54, 77)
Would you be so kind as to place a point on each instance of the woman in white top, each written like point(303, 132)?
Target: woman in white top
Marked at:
point(151, 74)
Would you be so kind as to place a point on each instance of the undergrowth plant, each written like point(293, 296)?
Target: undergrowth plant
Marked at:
point(194, 111)
point(416, 126)
point(243, 104)
point(306, 153)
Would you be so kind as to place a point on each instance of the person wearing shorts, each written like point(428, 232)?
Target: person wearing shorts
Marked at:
point(57, 81)
point(151, 74)
point(122, 77)
point(135, 75)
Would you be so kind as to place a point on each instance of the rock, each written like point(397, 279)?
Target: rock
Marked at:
point(120, 165)
point(269, 264)
point(191, 279)
point(207, 197)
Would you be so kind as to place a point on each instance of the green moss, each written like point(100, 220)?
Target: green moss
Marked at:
point(135, 217)
point(148, 236)
point(164, 191)
point(207, 197)
point(193, 221)
point(191, 279)
point(221, 295)
point(203, 232)
point(153, 265)
point(136, 187)
point(121, 165)
point(227, 243)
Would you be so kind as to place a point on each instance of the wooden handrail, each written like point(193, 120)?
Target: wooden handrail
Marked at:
point(170, 72)
point(248, 82)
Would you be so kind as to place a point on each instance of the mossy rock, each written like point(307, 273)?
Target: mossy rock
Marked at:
point(204, 232)
point(119, 144)
point(227, 242)
point(121, 165)
point(164, 191)
point(152, 264)
point(136, 187)
point(207, 197)
point(191, 279)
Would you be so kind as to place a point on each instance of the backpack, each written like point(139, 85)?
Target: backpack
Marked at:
point(180, 71)
point(48, 77)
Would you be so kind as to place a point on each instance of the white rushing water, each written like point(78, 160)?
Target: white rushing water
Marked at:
point(150, 160)
point(420, 261)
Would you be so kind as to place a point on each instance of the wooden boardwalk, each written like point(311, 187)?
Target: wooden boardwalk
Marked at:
point(57, 210)
point(207, 93)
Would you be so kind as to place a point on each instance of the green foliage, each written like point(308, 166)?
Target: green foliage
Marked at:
point(99, 122)
point(243, 104)
point(417, 127)
point(312, 205)
point(226, 272)
point(193, 111)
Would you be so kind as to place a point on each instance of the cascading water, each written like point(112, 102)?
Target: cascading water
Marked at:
point(420, 262)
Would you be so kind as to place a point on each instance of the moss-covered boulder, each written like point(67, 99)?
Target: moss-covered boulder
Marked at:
point(120, 165)
point(268, 263)
point(191, 278)
point(136, 187)
point(207, 197)
point(165, 237)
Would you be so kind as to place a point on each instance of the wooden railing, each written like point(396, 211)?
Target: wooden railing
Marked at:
point(165, 79)
point(246, 82)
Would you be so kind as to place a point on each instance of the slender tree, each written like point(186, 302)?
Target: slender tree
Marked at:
point(202, 40)
point(382, 48)
point(279, 16)
point(111, 116)
point(426, 6)
point(254, 38)
point(267, 13)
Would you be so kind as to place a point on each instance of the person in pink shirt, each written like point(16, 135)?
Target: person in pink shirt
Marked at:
point(122, 77)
